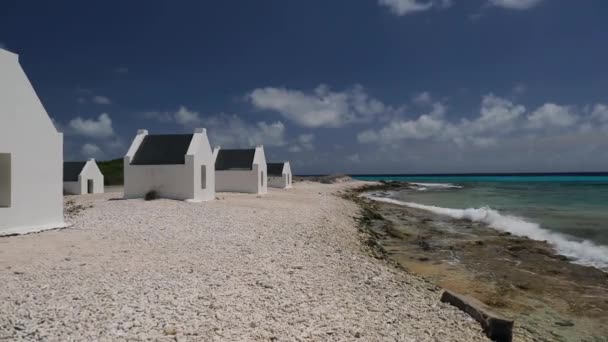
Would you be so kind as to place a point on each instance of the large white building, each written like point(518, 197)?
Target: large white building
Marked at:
point(279, 175)
point(82, 178)
point(241, 170)
point(176, 166)
point(31, 156)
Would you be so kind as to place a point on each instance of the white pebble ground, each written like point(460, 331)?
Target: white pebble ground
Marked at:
point(286, 266)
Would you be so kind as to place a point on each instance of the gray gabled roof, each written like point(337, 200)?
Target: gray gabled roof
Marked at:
point(71, 171)
point(234, 159)
point(275, 169)
point(162, 149)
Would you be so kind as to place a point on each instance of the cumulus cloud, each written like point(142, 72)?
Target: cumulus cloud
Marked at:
point(100, 128)
point(182, 116)
point(304, 142)
point(423, 98)
point(186, 117)
point(600, 112)
point(227, 130)
point(515, 4)
point(321, 107)
point(498, 118)
point(101, 100)
point(91, 150)
point(404, 7)
point(552, 115)
point(231, 131)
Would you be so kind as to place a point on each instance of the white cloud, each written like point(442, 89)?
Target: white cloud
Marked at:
point(497, 117)
point(231, 131)
point(552, 115)
point(2, 45)
point(515, 4)
point(403, 7)
point(186, 117)
point(600, 112)
point(90, 150)
point(423, 98)
point(182, 116)
point(496, 114)
point(100, 128)
point(320, 108)
point(101, 100)
point(304, 142)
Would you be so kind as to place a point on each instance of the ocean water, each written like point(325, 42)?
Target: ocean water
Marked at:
point(569, 211)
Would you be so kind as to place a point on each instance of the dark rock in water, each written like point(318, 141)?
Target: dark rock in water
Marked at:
point(424, 245)
point(564, 323)
point(496, 327)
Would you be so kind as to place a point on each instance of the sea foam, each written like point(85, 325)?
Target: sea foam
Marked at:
point(437, 185)
point(581, 252)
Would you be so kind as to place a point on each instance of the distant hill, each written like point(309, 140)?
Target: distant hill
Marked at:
point(112, 171)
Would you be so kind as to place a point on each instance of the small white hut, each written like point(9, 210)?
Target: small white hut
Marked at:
point(279, 175)
point(241, 170)
point(31, 156)
point(176, 166)
point(82, 178)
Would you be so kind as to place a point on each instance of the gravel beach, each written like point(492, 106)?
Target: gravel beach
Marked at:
point(286, 266)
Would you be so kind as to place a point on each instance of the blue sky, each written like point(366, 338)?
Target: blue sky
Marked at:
point(358, 86)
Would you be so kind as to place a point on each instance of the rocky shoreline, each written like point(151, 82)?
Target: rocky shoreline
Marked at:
point(550, 298)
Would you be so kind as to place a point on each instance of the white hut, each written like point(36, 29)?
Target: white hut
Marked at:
point(241, 170)
point(279, 175)
point(31, 156)
point(176, 166)
point(82, 178)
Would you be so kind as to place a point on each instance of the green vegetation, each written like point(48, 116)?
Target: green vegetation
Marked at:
point(112, 171)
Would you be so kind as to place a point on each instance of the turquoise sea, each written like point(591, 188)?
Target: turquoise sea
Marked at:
point(568, 210)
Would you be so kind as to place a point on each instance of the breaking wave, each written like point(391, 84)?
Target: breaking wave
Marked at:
point(426, 186)
point(581, 252)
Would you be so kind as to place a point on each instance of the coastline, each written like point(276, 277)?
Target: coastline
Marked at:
point(549, 297)
point(285, 266)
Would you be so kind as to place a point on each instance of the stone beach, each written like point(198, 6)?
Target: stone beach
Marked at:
point(286, 266)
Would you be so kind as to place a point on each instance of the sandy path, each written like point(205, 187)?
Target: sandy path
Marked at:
point(284, 267)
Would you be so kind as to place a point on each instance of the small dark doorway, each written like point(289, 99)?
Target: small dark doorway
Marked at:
point(90, 187)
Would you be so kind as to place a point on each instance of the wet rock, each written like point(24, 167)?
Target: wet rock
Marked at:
point(564, 323)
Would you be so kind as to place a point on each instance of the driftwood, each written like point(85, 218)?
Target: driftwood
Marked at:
point(496, 327)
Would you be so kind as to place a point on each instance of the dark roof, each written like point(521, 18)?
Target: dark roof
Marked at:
point(234, 159)
point(275, 169)
point(71, 171)
point(164, 149)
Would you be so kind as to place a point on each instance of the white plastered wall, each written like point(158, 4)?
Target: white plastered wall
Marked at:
point(284, 181)
point(89, 171)
point(246, 181)
point(179, 182)
point(36, 155)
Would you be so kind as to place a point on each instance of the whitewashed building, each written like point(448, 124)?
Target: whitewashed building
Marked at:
point(241, 170)
point(31, 156)
point(176, 166)
point(82, 178)
point(279, 175)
